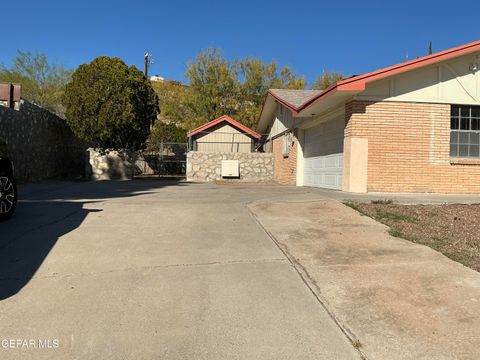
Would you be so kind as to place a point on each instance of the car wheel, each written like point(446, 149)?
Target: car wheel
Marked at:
point(8, 195)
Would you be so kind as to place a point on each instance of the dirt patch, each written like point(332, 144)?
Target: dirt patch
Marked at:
point(454, 230)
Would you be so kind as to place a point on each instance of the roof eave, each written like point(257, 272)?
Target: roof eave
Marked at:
point(358, 83)
point(227, 119)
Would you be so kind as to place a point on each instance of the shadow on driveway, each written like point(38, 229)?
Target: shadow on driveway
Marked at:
point(45, 212)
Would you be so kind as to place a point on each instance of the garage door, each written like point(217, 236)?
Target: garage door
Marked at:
point(323, 155)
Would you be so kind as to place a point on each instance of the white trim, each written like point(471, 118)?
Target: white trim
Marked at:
point(300, 159)
point(423, 101)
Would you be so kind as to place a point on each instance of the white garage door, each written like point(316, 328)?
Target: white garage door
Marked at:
point(323, 155)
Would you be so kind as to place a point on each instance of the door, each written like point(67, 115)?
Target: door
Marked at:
point(323, 155)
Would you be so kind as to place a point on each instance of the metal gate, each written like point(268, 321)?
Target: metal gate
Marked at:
point(168, 161)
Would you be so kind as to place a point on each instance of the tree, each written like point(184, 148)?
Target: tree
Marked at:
point(327, 79)
point(174, 100)
point(236, 88)
point(110, 104)
point(257, 79)
point(43, 83)
point(166, 132)
point(175, 113)
point(214, 85)
point(430, 50)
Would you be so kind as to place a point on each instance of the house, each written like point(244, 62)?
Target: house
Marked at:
point(411, 127)
point(223, 135)
point(224, 149)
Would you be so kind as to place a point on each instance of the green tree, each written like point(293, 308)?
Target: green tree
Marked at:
point(430, 49)
point(327, 79)
point(166, 132)
point(214, 85)
point(174, 100)
point(110, 104)
point(236, 88)
point(255, 80)
point(43, 83)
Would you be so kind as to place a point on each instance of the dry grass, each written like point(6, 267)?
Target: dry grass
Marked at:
point(454, 230)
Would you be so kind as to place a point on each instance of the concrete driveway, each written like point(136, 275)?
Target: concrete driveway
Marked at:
point(398, 299)
point(154, 270)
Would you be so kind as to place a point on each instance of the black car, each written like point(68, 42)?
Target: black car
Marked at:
point(8, 187)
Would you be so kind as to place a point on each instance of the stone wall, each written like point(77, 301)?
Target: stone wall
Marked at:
point(41, 144)
point(206, 166)
point(109, 164)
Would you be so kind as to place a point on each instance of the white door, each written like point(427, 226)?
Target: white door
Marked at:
point(323, 155)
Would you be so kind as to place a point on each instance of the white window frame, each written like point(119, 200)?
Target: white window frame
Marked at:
point(465, 131)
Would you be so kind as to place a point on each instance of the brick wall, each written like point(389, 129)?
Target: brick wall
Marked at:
point(408, 148)
point(285, 167)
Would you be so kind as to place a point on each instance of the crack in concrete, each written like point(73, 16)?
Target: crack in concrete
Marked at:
point(313, 287)
point(152, 267)
point(370, 265)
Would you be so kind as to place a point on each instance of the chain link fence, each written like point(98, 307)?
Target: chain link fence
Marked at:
point(169, 160)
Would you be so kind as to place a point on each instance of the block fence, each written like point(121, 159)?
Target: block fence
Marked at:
point(206, 166)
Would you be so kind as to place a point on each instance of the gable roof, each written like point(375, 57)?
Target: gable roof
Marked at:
point(304, 103)
point(227, 119)
point(358, 83)
point(293, 98)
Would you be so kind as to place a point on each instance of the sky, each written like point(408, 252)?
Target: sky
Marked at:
point(352, 37)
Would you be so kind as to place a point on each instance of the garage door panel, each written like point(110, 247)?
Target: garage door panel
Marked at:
point(318, 163)
point(324, 171)
point(331, 162)
point(330, 179)
point(323, 161)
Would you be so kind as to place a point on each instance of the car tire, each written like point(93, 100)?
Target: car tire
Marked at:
point(8, 195)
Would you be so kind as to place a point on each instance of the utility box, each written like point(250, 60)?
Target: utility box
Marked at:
point(230, 168)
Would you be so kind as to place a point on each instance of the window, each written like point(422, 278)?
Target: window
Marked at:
point(465, 131)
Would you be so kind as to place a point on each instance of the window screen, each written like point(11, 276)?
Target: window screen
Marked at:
point(464, 131)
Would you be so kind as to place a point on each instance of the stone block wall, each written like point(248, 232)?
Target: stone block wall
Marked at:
point(109, 164)
point(41, 144)
point(206, 166)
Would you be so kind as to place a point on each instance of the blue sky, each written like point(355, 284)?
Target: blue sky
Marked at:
point(352, 37)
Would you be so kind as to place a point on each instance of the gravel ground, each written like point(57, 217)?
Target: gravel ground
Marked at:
point(454, 230)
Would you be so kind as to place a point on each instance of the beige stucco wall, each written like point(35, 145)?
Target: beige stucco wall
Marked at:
point(355, 164)
point(224, 138)
point(299, 154)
